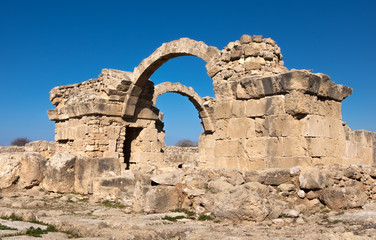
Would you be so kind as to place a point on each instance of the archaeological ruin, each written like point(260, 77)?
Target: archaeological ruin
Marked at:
point(274, 161)
point(263, 115)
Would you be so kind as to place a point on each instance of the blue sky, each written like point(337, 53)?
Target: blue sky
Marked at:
point(44, 44)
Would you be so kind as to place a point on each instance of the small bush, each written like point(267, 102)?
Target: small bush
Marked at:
point(186, 143)
point(108, 203)
point(3, 227)
point(172, 219)
point(205, 218)
point(20, 142)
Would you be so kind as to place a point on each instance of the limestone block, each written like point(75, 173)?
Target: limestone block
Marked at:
point(335, 128)
point(343, 198)
point(275, 105)
point(249, 66)
point(227, 148)
point(246, 163)
point(222, 110)
point(161, 199)
point(275, 176)
point(169, 178)
point(245, 205)
point(220, 185)
point(282, 126)
point(59, 173)
point(250, 51)
point(238, 109)
point(10, 167)
point(294, 147)
point(329, 108)
point(312, 178)
point(86, 169)
point(32, 170)
point(255, 107)
point(149, 134)
point(261, 128)
point(241, 128)
point(257, 147)
point(147, 113)
point(117, 186)
point(316, 147)
point(287, 162)
point(315, 126)
point(222, 129)
point(299, 103)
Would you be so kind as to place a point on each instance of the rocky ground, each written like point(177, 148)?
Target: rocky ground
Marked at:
point(77, 216)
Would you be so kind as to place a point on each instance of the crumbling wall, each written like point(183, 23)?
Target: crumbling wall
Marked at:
point(263, 116)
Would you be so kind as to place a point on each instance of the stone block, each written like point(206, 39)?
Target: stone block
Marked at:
point(275, 105)
point(255, 107)
point(241, 128)
point(312, 178)
point(161, 199)
point(256, 147)
point(294, 147)
point(238, 109)
point(329, 108)
point(343, 198)
point(59, 174)
point(282, 126)
point(222, 110)
point(316, 147)
point(222, 128)
point(249, 66)
point(297, 103)
point(32, 170)
point(10, 167)
point(287, 162)
point(227, 148)
point(315, 126)
point(86, 169)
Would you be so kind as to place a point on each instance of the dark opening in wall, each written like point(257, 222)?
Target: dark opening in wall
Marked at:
point(130, 135)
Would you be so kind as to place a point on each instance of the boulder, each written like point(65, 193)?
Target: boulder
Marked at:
point(10, 166)
point(275, 176)
point(242, 204)
point(262, 190)
point(312, 178)
point(116, 186)
point(220, 185)
point(343, 198)
point(169, 178)
point(59, 174)
point(161, 199)
point(32, 170)
point(86, 169)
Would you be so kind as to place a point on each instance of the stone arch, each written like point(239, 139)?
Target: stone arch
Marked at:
point(196, 100)
point(170, 50)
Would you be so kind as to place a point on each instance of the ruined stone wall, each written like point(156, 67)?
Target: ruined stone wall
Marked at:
point(263, 116)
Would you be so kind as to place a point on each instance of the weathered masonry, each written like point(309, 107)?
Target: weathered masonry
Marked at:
point(262, 116)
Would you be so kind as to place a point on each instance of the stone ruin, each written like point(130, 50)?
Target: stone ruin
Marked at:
point(263, 115)
point(273, 148)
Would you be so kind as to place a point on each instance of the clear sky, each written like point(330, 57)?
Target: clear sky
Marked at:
point(44, 44)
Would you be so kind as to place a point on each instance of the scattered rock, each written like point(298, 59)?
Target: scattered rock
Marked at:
point(32, 170)
point(343, 198)
point(170, 178)
point(60, 174)
point(312, 178)
point(245, 205)
point(10, 167)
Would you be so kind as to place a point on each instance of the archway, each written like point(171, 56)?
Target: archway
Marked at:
point(193, 97)
point(142, 73)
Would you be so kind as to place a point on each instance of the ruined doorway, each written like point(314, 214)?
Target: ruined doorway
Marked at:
point(131, 135)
